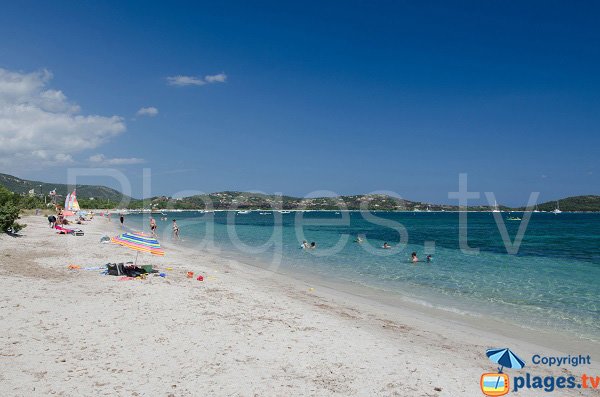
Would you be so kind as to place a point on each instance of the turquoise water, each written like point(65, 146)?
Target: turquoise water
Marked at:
point(551, 283)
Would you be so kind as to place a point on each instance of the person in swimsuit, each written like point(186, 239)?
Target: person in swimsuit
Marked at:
point(175, 229)
point(121, 219)
point(153, 226)
point(386, 246)
point(414, 258)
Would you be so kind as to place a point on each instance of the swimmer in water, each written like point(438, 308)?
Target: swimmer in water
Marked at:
point(386, 246)
point(358, 240)
point(429, 258)
point(414, 258)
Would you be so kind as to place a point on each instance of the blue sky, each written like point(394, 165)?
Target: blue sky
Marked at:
point(349, 97)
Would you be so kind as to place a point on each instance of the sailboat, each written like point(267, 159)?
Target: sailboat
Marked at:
point(71, 203)
point(557, 209)
point(536, 209)
point(496, 209)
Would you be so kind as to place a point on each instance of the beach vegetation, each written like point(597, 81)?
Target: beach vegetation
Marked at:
point(9, 211)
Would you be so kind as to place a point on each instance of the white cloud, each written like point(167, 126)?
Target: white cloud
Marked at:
point(149, 111)
point(39, 126)
point(100, 159)
point(217, 78)
point(181, 81)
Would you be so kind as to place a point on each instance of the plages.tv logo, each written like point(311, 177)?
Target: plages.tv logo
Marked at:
point(498, 384)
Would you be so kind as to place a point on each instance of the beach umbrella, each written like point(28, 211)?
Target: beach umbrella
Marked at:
point(139, 242)
point(505, 358)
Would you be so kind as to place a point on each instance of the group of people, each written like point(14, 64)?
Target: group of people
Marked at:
point(174, 227)
point(413, 257)
point(305, 245)
point(154, 226)
point(61, 220)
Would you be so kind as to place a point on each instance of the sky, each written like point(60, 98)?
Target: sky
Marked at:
point(344, 97)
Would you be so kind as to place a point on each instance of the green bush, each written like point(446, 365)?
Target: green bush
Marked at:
point(9, 211)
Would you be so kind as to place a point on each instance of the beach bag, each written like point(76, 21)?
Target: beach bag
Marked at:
point(115, 269)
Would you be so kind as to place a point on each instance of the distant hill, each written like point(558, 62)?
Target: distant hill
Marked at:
point(575, 203)
point(23, 186)
point(245, 200)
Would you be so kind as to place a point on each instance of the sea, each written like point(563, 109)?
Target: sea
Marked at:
point(547, 279)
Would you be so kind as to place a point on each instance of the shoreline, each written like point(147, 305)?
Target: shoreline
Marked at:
point(399, 303)
point(243, 331)
point(395, 302)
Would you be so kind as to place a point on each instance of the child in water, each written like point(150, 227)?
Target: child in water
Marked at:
point(414, 258)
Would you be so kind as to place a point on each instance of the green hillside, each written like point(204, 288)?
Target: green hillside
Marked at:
point(98, 193)
point(575, 203)
point(91, 196)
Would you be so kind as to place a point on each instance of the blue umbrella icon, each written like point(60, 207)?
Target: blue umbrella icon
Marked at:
point(505, 358)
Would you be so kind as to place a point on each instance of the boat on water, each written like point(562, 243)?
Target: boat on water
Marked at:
point(536, 209)
point(284, 212)
point(496, 209)
point(557, 209)
point(243, 212)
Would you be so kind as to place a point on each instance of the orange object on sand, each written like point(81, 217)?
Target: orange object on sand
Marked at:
point(190, 274)
point(73, 267)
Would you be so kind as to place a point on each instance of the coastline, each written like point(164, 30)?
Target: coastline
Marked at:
point(243, 331)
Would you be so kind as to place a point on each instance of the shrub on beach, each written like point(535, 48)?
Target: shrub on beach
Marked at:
point(9, 211)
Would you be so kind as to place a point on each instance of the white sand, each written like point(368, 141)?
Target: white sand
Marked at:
point(242, 332)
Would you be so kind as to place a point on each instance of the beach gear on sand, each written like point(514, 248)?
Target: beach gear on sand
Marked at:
point(200, 278)
point(129, 269)
point(64, 230)
point(140, 242)
point(190, 274)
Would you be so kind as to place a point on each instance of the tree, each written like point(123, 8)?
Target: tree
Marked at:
point(9, 211)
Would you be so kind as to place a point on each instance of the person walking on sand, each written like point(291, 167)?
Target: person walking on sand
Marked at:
point(153, 226)
point(121, 219)
point(175, 229)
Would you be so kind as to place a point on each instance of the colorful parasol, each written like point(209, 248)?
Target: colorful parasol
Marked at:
point(140, 242)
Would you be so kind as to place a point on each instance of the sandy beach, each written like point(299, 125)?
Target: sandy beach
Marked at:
point(243, 331)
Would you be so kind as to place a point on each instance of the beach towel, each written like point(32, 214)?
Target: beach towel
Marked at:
point(62, 230)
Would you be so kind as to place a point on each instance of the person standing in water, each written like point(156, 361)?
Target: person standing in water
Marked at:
point(414, 258)
point(153, 226)
point(175, 229)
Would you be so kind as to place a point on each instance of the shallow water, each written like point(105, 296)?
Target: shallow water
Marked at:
point(551, 283)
